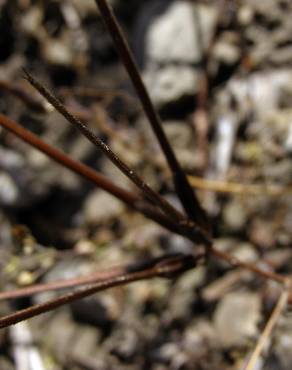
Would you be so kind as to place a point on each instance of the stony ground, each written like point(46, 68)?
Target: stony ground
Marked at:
point(56, 226)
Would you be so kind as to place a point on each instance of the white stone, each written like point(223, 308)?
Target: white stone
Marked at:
point(174, 36)
point(171, 83)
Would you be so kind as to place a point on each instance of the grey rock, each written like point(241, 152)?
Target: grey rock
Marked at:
point(227, 50)
point(179, 35)
point(178, 133)
point(236, 318)
point(179, 244)
point(100, 207)
point(170, 83)
point(8, 190)
point(182, 138)
point(58, 51)
point(235, 215)
point(170, 58)
point(168, 352)
point(85, 7)
point(146, 292)
point(264, 89)
point(13, 178)
point(84, 342)
point(245, 252)
point(60, 331)
point(197, 334)
point(183, 293)
point(124, 343)
point(283, 341)
point(63, 270)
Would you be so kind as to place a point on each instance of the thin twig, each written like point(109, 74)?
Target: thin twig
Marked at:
point(279, 308)
point(234, 261)
point(116, 160)
point(112, 271)
point(184, 191)
point(129, 198)
point(86, 172)
point(167, 266)
point(62, 284)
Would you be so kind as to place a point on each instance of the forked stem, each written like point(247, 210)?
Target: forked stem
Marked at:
point(183, 189)
point(167, 266)
point(148, 192)
point(62, 284)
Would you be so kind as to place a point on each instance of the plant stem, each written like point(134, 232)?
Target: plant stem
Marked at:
point(183, 189)
point(148, 192)
point(278, 309)
point(86, 172)
point(167, 266)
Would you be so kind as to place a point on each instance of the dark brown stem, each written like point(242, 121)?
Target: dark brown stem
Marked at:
point(86, 172)
point(62, 284)
point(234, 261)
point(105, 274)
point(167, 266)
point(130, 173)
point(182, 186)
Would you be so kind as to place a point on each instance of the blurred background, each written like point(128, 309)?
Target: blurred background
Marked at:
point(220, 76)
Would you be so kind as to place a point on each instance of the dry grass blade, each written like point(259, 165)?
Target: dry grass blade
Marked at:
point(236, 188)
point(279, 308)
point(182, 186)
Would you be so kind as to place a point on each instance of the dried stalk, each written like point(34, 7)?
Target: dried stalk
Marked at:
point(161, 212)
point(63, 284)
point(167, 266)
point(182, 186)
point(279, 308)
point(148, 192)
point(86, 172)
point(237, 188)
point(129, 199)
point(112, 271)
point(234, 261)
